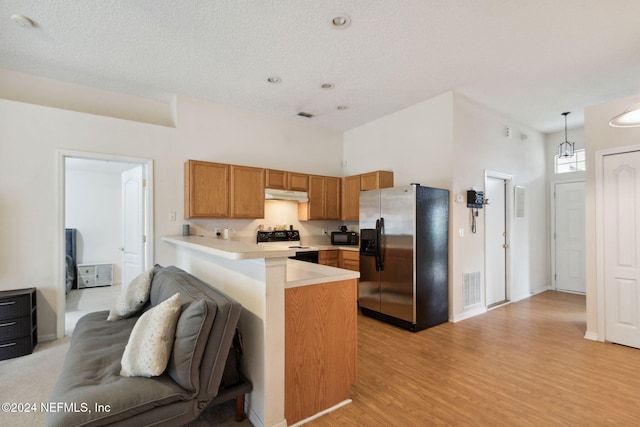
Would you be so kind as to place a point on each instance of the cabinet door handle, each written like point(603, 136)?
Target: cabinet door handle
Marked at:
point(7, 345)
point(7, 324)
point(7, 303)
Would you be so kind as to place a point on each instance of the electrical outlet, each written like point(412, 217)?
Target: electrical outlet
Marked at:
point(172, 216)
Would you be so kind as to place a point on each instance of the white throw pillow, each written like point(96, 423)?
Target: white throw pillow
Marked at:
point(149, 347)
point(131, 299)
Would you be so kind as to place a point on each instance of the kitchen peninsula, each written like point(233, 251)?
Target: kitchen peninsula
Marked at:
point(299, 324)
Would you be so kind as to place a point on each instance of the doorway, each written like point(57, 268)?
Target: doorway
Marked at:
point(569, 236)
point(105, 183)
point(496, 239)
point(620, 208)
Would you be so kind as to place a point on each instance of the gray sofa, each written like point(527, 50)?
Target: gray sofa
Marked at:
point(91, 392)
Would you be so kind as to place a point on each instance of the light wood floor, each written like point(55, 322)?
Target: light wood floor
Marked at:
point(524, 364)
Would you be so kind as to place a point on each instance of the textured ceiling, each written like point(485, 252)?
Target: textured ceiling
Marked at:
point(530, 60)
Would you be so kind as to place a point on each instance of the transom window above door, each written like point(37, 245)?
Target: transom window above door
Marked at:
point(575, 163)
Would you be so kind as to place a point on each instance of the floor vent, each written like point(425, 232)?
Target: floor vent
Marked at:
point(472, 289)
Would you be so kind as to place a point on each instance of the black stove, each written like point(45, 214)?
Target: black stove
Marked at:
point(278, 236)
point(289, 239)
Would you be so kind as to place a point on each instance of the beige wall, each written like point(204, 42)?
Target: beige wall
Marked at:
point(600, 136)
point(31, 135)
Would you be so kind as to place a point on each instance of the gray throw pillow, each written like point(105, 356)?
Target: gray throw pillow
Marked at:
point(192, 333)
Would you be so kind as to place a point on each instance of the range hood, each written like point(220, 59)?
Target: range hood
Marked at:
point(296, 196)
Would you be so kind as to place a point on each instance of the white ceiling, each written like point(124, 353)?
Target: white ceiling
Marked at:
point(529, 59)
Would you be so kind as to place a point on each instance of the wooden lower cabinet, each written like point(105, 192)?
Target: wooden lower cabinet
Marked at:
point(349, 260)
point(328, 257)
point(321, 357)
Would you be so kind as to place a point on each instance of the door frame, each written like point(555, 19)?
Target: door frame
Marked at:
point(508, 201)
point(552, 213)
point(60, 240)
point(600, 226)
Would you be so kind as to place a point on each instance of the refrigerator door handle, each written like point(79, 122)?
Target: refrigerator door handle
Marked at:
point(377, 249)
point(382, 244)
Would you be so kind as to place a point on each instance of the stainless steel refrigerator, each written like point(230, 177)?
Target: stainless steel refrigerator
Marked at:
point(404, 256)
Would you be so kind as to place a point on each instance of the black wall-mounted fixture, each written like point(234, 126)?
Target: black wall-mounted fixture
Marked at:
point(475, 199)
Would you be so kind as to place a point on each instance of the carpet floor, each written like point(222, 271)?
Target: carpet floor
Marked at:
point(27, 381)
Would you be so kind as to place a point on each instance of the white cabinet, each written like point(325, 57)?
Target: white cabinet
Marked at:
point(96, 274)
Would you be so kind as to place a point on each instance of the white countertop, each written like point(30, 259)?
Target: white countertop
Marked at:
point(334, 247)
point(298, 273)
point(230, 249)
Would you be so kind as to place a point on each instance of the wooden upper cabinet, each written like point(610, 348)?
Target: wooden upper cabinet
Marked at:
point(282, 180)
point(247, 192)
point(315, 205)
point(206, 189)
point(324, 199)
point(351, 198)
point(352, 185)
point(298, 181)
point(278, 180)
point(376, 180)
point(332, 198)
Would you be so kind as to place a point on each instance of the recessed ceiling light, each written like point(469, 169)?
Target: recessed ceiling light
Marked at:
point(274, 80)
point(342, 107)
point(22, 21)
point(327, 86)
point(341, 21)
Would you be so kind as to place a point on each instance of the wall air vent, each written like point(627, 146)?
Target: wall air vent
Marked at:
point(303, 114)
point(472, 289)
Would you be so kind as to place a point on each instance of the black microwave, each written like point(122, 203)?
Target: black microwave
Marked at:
point(345, 238)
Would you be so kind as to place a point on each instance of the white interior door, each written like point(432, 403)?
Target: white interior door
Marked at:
point(621, 183)
point(133, 230)
point(496, 241)
point(569, 237)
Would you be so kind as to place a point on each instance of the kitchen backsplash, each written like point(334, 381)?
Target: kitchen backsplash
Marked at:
point(277, 214)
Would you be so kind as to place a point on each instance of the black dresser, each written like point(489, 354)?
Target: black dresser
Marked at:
point(18, 323)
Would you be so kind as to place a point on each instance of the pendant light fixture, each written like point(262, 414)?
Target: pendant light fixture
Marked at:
point(566, 149)
point(630, 118)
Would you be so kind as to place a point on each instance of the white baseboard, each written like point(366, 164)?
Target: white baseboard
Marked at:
point(468, 314)
point(48, 337)
point(257, 422)
point(590, 335)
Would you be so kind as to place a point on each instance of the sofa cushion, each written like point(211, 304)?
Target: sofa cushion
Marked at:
point(199, 312)
point(191, 336)
point(133, 297)
point(90, 375)
point(151, 340)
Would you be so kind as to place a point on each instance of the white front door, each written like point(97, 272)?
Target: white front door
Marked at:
point(133, 229)
point(621, 183)
point(496, 241)
point(569, 237)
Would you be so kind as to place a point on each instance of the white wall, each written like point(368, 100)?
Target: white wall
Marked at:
point(481, 145)
point(93, 205)
point(30, 136)
point(449, 142)
point(414, 143)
